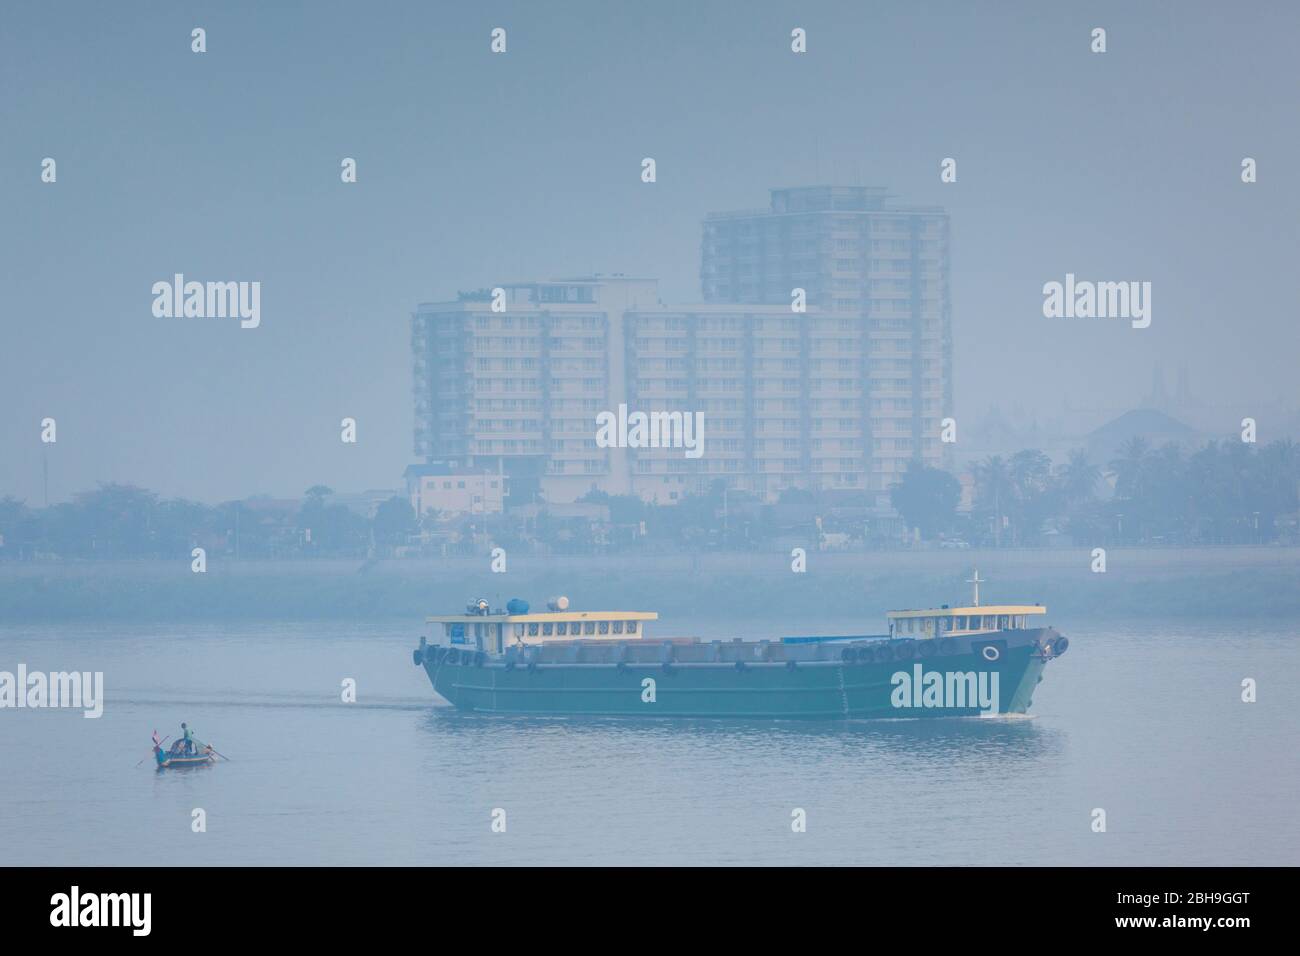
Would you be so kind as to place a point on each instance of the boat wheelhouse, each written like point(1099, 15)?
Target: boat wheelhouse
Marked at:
point(946, 621)
point(975, 618)
point(494, 632)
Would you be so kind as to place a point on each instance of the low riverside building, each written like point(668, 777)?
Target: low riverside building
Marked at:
point(443, 489)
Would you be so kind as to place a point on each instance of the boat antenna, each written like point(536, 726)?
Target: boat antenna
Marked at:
point(976, 580)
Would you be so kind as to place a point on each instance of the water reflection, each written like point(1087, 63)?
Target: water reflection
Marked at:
point(949, 739)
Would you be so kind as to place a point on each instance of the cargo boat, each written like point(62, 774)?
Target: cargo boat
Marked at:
point(963, 661)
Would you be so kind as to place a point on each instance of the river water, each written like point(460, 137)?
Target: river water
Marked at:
point(1143, 721)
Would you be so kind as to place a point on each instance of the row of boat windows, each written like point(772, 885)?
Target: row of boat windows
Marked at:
point(548, 629)
point(959, 622)
point(576, 628)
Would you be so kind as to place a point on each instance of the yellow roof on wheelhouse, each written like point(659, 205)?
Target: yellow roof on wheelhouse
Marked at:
point(974, 609)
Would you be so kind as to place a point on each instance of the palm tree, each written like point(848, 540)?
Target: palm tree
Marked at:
point(1032, 491)
point(1279, 479)
point(1030, 468)
point(1129, 466)
point(994, 486)
point(1164, 497)
point(1079, 477)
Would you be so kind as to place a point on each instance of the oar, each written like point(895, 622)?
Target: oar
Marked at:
point(160, 743)
point(216, 751)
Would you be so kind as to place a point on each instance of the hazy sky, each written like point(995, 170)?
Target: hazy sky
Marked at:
point(477, 168)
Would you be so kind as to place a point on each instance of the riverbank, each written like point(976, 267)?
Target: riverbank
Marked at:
point(1242, 582)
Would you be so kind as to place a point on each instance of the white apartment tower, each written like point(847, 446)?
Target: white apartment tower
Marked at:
point(882, 267)
point(839, 397)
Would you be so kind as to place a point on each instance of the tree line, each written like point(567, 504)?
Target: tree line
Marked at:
point(1223, 493)
point(125, 521)
point(1226, 492)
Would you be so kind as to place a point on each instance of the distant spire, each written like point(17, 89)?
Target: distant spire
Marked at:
point(976, 580)
point(1184, 389)
point(1159, 398)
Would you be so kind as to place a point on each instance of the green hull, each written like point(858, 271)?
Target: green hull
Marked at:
point(864, 680)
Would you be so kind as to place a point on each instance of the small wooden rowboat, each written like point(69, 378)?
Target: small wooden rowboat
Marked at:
point(175, 758)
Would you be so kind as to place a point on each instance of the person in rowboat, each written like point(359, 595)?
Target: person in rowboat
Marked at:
point(188, 738)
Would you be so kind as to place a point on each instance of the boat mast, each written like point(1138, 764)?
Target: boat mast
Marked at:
point(976, 580)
